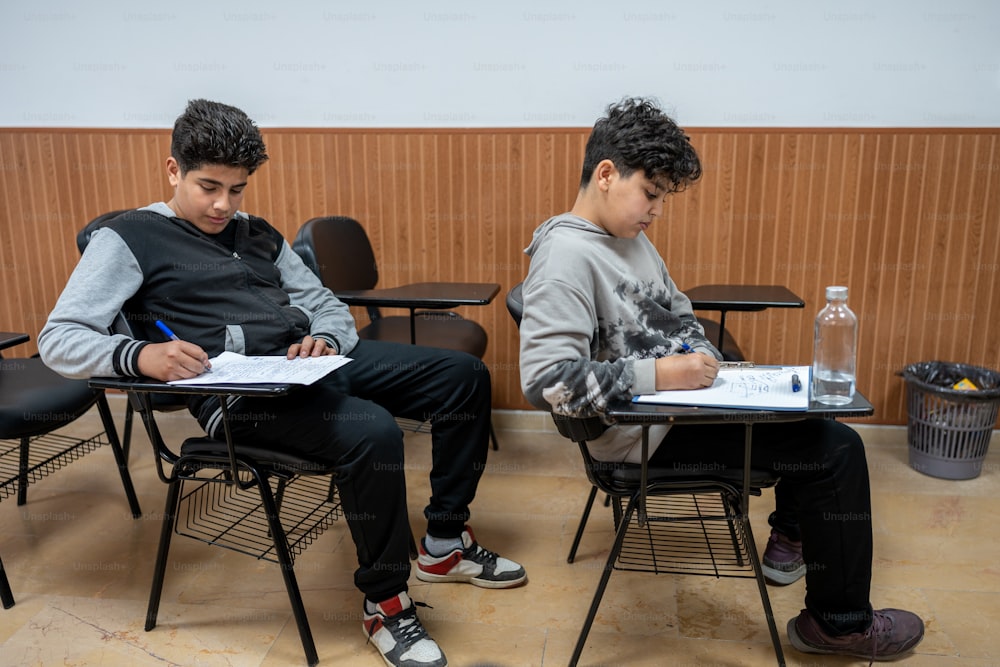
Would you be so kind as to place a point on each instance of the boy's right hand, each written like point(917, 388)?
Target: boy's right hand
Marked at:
point(686, 371)
point(174, 360)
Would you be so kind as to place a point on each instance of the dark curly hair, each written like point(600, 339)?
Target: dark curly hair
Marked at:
point(636, 134)
point(215, 133)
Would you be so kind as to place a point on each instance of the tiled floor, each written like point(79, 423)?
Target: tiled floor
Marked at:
point(80, 568)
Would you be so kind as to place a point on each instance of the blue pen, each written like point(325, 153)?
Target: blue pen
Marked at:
point(172, 336)
point(166, 330)
point(687, 348)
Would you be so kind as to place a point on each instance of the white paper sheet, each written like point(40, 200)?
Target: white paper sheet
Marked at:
point(756, 388)
point(232, 368)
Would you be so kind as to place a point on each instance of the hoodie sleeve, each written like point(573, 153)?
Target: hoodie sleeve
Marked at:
point(75, 341)
point(557, 371)
point(329, 317)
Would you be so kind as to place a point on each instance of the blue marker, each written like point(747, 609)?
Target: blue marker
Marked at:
point(687, 348)
point(796, 384)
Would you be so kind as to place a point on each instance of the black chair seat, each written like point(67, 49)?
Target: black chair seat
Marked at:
point(432, 329)
point(35, 399)
point(276, 460)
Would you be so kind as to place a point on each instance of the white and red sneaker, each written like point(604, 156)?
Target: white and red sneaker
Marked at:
point(473, 564)
point(398, 635)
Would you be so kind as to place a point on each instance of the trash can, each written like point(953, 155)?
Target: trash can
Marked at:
point(948, 430)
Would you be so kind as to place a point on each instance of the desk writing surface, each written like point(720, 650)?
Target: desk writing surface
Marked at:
point(148, 385)
point(742, 297)
point(424, 295)
point(10, 339)
point(648, 413)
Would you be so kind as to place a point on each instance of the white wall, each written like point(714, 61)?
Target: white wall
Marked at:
point(517, 63)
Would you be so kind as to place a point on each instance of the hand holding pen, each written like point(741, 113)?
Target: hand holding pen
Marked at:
point(176, 360)
point(687, 370)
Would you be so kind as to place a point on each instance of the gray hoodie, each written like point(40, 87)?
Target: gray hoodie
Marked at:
point(598, 312)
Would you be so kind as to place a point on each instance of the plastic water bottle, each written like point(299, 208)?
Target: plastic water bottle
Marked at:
point(835, 350)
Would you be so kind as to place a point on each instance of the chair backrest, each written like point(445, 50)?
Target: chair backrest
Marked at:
point(337, 250)
point(515, 303)
point(577, 429)
point(83, 236)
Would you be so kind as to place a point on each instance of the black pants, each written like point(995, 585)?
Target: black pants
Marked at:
point(824, 486)
point(346, 419)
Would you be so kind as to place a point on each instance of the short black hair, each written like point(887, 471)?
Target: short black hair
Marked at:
point(636, 134)
point(215, 133)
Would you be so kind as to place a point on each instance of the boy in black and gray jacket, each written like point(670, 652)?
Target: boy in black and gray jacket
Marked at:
point(223, 280)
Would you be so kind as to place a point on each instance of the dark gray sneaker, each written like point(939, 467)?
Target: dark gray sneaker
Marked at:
point(893, 634)
point(782, 561)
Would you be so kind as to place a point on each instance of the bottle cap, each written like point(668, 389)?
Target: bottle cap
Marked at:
point(836, 292)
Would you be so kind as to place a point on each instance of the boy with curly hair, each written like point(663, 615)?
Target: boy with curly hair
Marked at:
point(604, 321)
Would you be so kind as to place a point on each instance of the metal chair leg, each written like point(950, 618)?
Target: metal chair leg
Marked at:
point(22, 472)
point(127, 429)
point(160, 568)
point(287, 570)
point(603, 583)
point(493, 437)
point(765, 599)
point(583, 524)
point(120, 457)
point(6, 595)
point(413, 547)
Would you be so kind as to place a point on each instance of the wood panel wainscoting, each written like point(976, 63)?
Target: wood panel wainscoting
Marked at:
point(909, 219)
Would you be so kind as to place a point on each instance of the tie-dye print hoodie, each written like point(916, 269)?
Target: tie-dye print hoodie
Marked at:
point(598, 311)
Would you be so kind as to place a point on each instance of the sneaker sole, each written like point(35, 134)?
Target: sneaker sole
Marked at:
point(462, 579)
point(801, 645)
point(382, 655)
point(781, 577)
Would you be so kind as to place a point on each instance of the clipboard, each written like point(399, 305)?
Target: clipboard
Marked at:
point(744, 387)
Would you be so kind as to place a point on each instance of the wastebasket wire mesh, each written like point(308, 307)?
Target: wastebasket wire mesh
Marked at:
point(948, 427)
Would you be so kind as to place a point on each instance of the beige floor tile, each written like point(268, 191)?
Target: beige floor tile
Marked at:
point(81, 566)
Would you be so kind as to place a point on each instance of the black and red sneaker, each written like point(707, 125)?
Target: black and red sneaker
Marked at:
point(398, 635)
point(471, 564)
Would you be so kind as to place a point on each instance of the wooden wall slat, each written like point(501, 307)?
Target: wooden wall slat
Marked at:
point(908, 219)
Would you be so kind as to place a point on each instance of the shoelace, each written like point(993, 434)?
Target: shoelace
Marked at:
point(408, 633)
point(881, 624)
point(480, 555)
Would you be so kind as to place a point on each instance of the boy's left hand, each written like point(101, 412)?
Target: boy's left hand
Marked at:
point(310, 347)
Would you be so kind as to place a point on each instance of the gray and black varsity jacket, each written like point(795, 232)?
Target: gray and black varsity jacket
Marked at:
point(150, 265)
